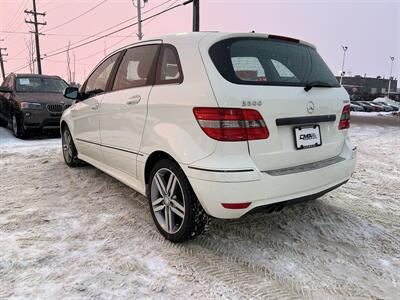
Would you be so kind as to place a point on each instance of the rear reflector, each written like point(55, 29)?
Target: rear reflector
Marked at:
point(236, 205)
point(344, 122)
point(231, 124)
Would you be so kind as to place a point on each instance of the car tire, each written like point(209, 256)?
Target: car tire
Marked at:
point(175, 209)
point(70, 153)
point(17, 127)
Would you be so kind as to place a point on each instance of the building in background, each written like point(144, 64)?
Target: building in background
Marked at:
point(367, 88)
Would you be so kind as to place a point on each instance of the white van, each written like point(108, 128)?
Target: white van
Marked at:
point(213, 124)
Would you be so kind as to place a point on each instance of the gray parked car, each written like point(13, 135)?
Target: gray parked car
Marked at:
point(31, 102)
point(356, 107)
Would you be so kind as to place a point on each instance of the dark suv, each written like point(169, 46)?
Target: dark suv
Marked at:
point(32, 102)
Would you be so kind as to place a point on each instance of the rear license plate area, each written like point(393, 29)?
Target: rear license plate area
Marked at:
point(307, 137)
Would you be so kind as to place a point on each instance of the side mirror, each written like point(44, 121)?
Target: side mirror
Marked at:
point(4, 89)
point(71, 93)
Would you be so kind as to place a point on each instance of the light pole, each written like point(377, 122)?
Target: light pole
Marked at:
point(390, 76)
point(344, 58)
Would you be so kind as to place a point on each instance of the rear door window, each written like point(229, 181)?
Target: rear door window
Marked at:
point(137, 68)
point(263, 61)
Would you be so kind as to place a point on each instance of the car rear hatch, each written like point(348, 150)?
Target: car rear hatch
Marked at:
point(270, 76)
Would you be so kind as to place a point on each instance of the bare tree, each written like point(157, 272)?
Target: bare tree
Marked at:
point(31, 54)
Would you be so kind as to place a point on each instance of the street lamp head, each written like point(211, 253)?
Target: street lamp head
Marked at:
point(345, 48)
point(392, 58)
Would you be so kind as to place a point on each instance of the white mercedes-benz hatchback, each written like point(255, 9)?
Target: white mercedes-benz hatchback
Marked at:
point(213, 124)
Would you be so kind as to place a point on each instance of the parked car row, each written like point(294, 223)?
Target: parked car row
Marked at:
point(30, 102)
point(369, 106)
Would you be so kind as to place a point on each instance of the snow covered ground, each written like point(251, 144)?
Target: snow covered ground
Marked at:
point(78, 233)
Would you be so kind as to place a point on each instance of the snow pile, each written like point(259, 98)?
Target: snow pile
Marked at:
point(387, 101)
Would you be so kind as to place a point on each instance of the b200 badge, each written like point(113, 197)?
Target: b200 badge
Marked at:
point(251, 103)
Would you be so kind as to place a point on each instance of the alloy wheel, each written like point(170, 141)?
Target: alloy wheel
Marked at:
point(15, 125)
point(167, 200)
point(67, 146)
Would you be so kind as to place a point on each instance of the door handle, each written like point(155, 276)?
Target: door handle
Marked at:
point(133, 100)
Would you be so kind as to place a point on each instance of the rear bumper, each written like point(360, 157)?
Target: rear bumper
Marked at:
point(261, 188)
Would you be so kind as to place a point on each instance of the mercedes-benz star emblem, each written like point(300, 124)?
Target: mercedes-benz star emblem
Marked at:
point(310, 107)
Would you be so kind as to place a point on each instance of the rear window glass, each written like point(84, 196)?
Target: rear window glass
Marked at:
point(261, 61)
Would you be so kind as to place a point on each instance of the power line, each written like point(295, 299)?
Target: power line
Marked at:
point(113, 45)
point(14, 18)
point(109, 28)
point(124, 37)
point(11, 24)
point(54, 53)
point(77, 17)
point(118, 30)
point(22, 67)
point(58, 34)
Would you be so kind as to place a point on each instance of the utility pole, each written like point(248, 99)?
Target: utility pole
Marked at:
point(139, 16)
point(2, 62)
point(344, 58)
point(73, 74)
point(196, 15)
point(390, 76)
point(36, 32)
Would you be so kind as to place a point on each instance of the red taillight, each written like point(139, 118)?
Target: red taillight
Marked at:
point(236, 205)
point(344, 122)
point(231, 124)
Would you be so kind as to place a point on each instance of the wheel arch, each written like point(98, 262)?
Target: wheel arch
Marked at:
point(63, 125)
point(152, 160)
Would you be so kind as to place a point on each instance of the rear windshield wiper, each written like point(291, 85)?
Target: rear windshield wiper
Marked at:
point(312, 84)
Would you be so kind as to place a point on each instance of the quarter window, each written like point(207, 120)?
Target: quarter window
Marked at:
point(136, 67)
point(170, 70)
point(97, 82)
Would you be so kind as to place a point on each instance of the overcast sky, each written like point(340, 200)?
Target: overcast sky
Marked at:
point(371, 29)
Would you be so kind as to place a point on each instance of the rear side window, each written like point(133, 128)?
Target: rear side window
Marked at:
point(263, 61)
point(169, 69)
point(136, 68)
